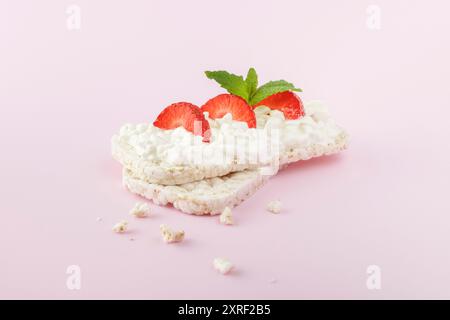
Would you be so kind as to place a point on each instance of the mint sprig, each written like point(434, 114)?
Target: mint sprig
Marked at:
point(232, 83)
point(271, 88)
point(251, 81)
point(248, 88)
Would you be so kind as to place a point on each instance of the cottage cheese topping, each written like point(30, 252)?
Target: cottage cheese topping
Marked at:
point(232, 141)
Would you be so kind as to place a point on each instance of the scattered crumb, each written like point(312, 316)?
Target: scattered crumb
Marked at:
point(99, 219)
point(272, 281)
point(140, 210)
point(223, 265)
point(170, 236)
point(274, 206)
point(120, 227)
point(132, 239)
point(226, 216)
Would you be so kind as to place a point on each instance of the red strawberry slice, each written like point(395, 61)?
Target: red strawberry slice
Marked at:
point(287, 102)
point(225, 103)
point(186, 115)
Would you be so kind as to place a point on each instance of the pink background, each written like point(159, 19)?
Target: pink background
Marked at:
point(385, 201)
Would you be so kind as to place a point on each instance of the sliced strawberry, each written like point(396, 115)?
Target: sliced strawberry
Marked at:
point(186, 115)
point(227, 103)
point(287, 102)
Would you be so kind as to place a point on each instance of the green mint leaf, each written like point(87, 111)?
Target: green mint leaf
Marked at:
point(271, 88)
point(232, 83)
point(252, 81)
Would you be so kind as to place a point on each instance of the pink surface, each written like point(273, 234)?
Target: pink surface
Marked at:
point(383, 202)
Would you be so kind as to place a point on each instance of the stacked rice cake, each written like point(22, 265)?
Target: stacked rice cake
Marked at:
point(175, 167)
